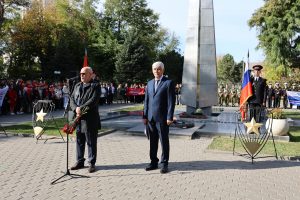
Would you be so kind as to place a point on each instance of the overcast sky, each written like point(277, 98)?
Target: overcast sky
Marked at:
point(233, 35)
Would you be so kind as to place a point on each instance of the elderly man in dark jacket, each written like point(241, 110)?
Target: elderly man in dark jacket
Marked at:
point(84, 103)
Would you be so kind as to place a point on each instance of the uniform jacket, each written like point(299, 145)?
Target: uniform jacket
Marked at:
point(89, 97)
point(270, 92)
point(159, 105)
point(259, 89)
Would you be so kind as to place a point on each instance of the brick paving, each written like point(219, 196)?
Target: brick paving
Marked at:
point(27, 169)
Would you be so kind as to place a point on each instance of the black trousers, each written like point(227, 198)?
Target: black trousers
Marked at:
point(159, 131)
point(256, 112)
point(89, 137)
point(277, 102)
point(285, 102)
point(270, 102)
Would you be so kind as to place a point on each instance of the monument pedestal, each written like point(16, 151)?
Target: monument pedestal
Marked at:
point(207, 111)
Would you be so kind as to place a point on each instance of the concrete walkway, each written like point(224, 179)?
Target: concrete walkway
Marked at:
point(27, 169)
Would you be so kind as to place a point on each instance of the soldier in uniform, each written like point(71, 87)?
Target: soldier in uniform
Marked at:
point(226, 95)
point(270, 95)
point(258, 100)
point(238, 94)
point(277, 95)
point(284, 95)
point(294, 88)
point(232, 96)
point(220, 94)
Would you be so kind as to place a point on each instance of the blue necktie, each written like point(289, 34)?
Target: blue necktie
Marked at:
point(156, 84)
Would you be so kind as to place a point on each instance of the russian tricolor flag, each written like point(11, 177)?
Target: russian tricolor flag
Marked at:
point(246, 91)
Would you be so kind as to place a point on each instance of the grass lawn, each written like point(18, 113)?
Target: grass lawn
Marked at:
point(295, 114)
point(291, 148)
point(51, 128)
point(137, 107)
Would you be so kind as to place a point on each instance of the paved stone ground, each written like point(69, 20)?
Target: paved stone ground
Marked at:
point(27, 169)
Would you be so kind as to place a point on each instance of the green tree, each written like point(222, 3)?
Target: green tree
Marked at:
point(173, 62)
point(225, 68)
point(169, 54)
point(8, 8)
point(275, 74)
point(132, 63)
point(132, 17)
point(61, 33)
point(277, 24)
point(53, 38)
point(75, 31)
point(237, 72)
point(32, 41)
point(122, 15)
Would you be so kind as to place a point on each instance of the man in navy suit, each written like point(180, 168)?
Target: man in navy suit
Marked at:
point(159, 108)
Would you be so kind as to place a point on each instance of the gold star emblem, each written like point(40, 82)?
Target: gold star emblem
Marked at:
point(40, 115)
point(253, 126)
point(37, 131)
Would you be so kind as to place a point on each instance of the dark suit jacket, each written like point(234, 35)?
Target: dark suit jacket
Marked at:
point(88, 98)
point(259, 89)
point(159, 105)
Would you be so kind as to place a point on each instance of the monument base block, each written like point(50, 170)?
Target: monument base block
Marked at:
point(207, 111)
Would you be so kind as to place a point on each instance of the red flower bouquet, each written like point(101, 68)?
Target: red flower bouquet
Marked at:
point(70, 127)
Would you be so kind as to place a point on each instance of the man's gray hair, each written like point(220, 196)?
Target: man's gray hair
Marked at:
point(89, 69)
point(158, 64)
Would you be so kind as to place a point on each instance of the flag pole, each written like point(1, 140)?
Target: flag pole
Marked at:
point(85, 59)
point(248, 60)
point(244, 107)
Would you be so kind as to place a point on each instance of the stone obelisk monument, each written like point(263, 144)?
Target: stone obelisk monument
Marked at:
point(199, 80)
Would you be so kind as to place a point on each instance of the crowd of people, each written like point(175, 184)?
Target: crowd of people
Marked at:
point(18, 95)
point(276, 94)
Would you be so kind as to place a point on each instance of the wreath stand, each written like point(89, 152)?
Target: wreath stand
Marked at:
point(254, 143)
point(3, 130)
point(41, 116)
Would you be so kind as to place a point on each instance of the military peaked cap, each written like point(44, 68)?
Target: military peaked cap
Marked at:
point(257, 67)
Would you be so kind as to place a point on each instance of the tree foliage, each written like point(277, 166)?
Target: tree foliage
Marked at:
point(8, 8)
point(122, 41)
point(132, 62)
point(278, 27)
point(228, 70)
point(123, 15)
point(173, 62)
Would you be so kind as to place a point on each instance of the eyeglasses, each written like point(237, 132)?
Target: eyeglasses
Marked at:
point(81, 74)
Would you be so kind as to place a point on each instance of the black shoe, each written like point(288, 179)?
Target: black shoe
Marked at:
point(151, 167)
point(164, 169)
point(77, 166)
point(92, 169)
